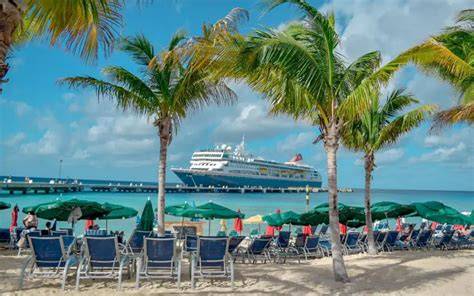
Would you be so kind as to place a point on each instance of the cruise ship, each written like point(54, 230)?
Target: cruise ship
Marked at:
point(224, 166)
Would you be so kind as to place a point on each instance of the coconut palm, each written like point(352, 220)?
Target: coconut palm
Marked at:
point(81, 26)
point(301, 73)
point(377, 128)
point(458, 45)
point(165, 91)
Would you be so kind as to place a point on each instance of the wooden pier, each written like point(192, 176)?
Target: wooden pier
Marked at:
point(39, 187)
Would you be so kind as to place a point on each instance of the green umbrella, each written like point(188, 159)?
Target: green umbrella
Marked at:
point(61, 210)
point(118, 212)
point(4, 205)
point(184, 210)
point(212, 210)
point(439, 212)
point(320, 214)
point(280, 218)
point(28, 209)
point(147, 218)
point(388, 209)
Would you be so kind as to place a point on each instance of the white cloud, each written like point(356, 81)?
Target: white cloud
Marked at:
point(46, 145)
point(443, 154)
point(295, 142)
point(389, 156)
point(21, 108)
point(14, 140)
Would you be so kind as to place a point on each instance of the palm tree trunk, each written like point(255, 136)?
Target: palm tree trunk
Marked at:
point(10, 19)
point(369, 166)
point(164, 131)
point(331, 143)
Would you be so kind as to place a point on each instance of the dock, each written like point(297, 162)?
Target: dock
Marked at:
point(40, 187)
point(45, 188)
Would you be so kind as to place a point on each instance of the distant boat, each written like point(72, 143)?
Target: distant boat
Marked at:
point(224, 166)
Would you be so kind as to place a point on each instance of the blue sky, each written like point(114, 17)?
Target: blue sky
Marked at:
point(42, 122)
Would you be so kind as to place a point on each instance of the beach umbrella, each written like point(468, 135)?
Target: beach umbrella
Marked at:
point(320, 214)
point(388, 209)
point(211, 210)
point(290, 217)
point(257, 219)
point(147, 218)
point(118, 212)
point(439, 212)
point(4, 205)
point(68, 210)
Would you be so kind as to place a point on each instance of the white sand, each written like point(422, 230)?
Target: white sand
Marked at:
point(398, 273)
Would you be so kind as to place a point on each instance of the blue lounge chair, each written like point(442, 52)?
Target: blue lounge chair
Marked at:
point(211, 260)
point(325, 246)
point(443, 242)
point(58, 232)
point(379, 240)
point(258, 249)
point(68, 230)
point(32, 233)
point(311, 246)
point(351, 243)
point(5, 237)
point(422, 241)
point(49, 259)
point(390, 241)
point(134, 244)
point(282, 244)
point(96, 233)
point(234, 242)
point(190, 245)
point(101, 258)
point(323, 230)
point(159, 260)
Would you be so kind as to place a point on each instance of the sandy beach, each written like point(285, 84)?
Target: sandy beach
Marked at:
point(397, 273)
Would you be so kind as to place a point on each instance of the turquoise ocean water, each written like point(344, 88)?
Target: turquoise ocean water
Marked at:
point(249, 203)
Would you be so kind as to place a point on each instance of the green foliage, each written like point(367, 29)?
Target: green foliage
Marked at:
point(382, 125)
point(82, 26)
point(167, 86)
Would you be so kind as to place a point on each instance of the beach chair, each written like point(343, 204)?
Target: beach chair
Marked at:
point(379, 240)
point(311, 246)
point(101, 258)
point(134, 244)
point(49, 259)
point(159, 260)
point(5, 236)
point(351, 243)
point(96, 233)
point(58, 233)
point(325, 246)
point(234, 242)
point(323, 231)
point(68, 230)
point(422, 241)
point(257, 249)
point(32, 233)
point(282, 244)
point(443, 242)
point(390, 241)
point(211, 260)
point(363, 242)
point(189, 245)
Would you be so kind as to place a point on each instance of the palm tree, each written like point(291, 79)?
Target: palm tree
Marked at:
point(457, 43)
point(300, 71)
point(81, 26)
point(167, 89)
point(377, 128)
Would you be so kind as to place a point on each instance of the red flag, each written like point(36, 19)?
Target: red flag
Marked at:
point(89, 224)
point(399, 225)
point(238, 225)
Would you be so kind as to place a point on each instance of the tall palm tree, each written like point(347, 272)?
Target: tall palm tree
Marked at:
point(167, 89)
point(377, 128)
point(300, 71)
point(457, 43)
point(82, 26)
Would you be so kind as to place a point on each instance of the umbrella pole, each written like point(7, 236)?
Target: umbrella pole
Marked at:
point(209, 228)
point(106, 225)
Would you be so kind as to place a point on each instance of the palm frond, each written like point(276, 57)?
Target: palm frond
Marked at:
point(390, 133)
point(139, 48)
point(230, 22)
point(396, 101)
point(458, 114)
point(81, 26)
